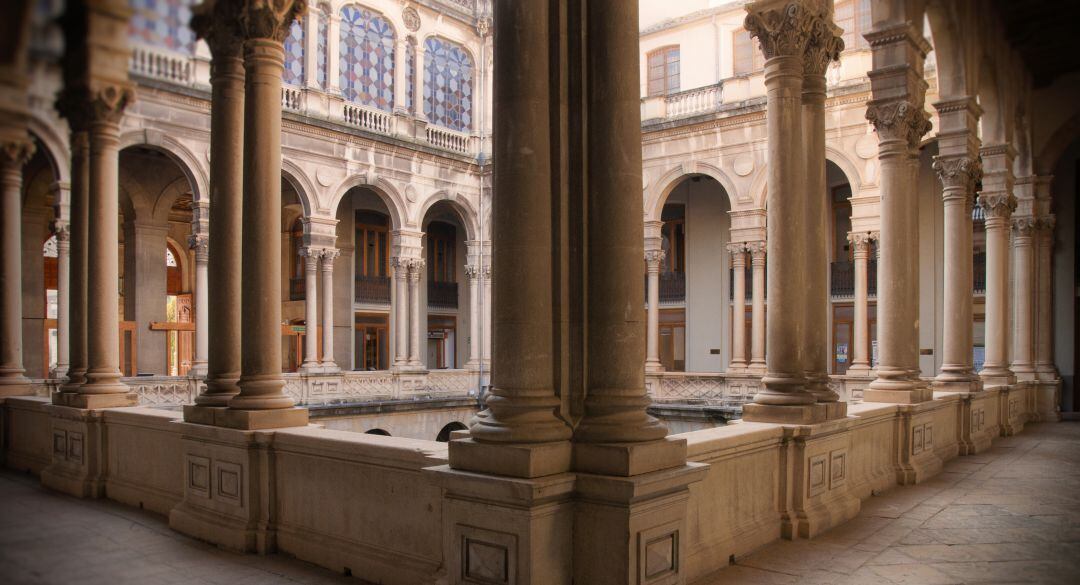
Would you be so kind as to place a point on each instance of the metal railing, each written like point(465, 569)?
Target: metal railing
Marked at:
point(979, 273)
point(442, 295)
point(373, 290)
point(672, 287)
point(297, 290)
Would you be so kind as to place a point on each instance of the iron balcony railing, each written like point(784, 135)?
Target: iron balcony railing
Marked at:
point(442, 295)
point(373, 290)
point(842, 277)
point(979, 273)
point(296, 289)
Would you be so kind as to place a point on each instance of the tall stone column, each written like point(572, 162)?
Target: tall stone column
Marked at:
point(472, 274)
point(615, 396)
point(958, 176)
point(328, 257)
point(417, 329)
point(860, 336)
point(218, 24)
point(824, 47)
point(653, 260)
point(738, 307)
point(418, 82)
point(757, 307)
point(79, 225)
point(1044, 312)
point(1023, 355)
point(998, 203)
point(333, 53)
point(13, 155)
point(400, 77)
point(783, 32)
point(401, 311)
point(265, 25)
point(200, 243)
point(311, 309)
point(487, 327)
point(63, 299)
point(898, 116)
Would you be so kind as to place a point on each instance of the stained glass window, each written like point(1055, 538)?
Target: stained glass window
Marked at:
point(294, 55)
point(367, 58)
point(322, 58)
point(162, 23)
point(410, 74)
point(448, 84)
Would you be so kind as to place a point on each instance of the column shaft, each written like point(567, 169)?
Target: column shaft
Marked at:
point(653, 260)
point(738, 307)
point(63, 300)
point(13, 155)
point(958, 176)
point(472, 273)
point(201, 244)
point(757, 307)
point(311, 308)
point(401, 313)
point(860, 336)
point(416, 328)
point(1044, 312)
point(328, 258)
point(998, 203)
point(1023, 362)
point(77, 277)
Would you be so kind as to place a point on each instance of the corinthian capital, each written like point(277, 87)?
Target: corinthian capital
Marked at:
point(823, 47)
point(783, 31)
point(218, 23)
point(269, 19)
point(654, 257)
point(997, 205)
point(757, 251)
point(108, 102)
point(860, 241)
point(201, 244)
point(958, 171)
point(1025, 226)
point(899, 120)
point(14, 153)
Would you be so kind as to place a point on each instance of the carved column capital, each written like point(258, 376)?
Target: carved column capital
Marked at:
point(861, 242)
point(1046, 223)
point(14, 153)
point(823, 47)
point(737, 250)
point(757, 251)
point(958, 172)
point(472, 271)
point(218, 23)
point(653, 258)
point(415, 266)
point(997, 205)
point(269, 19)
point(201, 244)
point(1024, 226)
point(782, 31)
point(108, 102)
point(899, 120)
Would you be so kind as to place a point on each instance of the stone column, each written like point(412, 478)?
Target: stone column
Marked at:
point(328, 257)
point(998, 203)
point(1023, 362)
point(200, 243)
point(63, 301)
point(860, 336)
point(1044, 313)
point(958, 176)
point(782, 31)
point(218, 24)
point(653, 260)
point(615, 400)
point(417, 329)
point(333, 54)
point(401, 311)
point(823, 47)
point(757, 307)
point(738, 307)
point(13, 155)
point(311, 309)
point(472, 273)
point(265, 26)
point(79, 225)
point(418, 83)
point(400, 77)
point(486, 328)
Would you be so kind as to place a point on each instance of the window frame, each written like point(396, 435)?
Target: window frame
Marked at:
point(668, 82)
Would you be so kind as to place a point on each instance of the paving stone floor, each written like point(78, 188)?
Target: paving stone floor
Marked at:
point(1011, 515)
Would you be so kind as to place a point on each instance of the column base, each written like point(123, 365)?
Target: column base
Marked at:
point(952, 385)
point(1046, 373)
point(1025, 375)
point(859, 370)
point(198, 370)
point(78, 452)
point(756, 368)
point(256, 420)
point(627, 459)
point(522, 460)
point(95, 401)
point(654, 368)
point(203, 415)
point(802, 414)
point(15, 386)
point(997, 377)
point(912, 396)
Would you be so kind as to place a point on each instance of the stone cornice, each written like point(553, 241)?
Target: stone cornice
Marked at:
point(898, 33)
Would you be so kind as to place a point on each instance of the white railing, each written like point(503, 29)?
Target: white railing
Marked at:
point(719, 389)
point(161, 64)
point(694, 101)
point(291, 98)
point(368, 118)
point(449, 139)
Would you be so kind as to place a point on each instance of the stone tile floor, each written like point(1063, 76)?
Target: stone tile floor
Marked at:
point(1010, 515)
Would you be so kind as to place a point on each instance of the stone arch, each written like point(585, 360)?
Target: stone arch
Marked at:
point(992, 123)
point(305, 189)
point(654, 205)
point(390, 196)
point(444, 434)
point(461, 206)
point(181, 261)
point(186, 160)
point(759, 188)
point(55, 146)
point(951, 48)
point(842, 161)
point(378, 432)
point(167, 198)
point(1056, 146)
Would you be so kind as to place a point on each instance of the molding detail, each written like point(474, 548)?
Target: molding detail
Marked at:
point(781, 32)
point(899, 120)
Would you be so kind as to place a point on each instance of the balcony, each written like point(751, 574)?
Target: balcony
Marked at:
point(672, 287)
point(748, 279)
point(296, 289)
point(692, 102)
point(442, 295)
point(979, 273)
point(842, 277)
point(372, 290)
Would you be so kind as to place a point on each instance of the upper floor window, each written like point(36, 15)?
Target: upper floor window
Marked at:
point(448, 84)
point(162, 23)
point(441, 262)
point(367, 58)
point(854, 17)
point(294, 55)
point(747, 57)
point(673, 238)
point(663, 71)
point(373, 243)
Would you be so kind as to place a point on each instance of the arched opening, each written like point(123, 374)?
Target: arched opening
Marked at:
point(179, 310)
point(444, 289)
point(842, 275)
point(1065, 271)
point(380, 432)
point(40, 196)
point(695, 329)
point(444, 434)
point(295, 328)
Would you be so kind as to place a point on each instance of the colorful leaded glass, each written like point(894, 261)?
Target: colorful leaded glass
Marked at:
point(410, 75)
point(162, 23)
point(322, 58)
point(294, 55)
point(448, 84)
point(367, 58)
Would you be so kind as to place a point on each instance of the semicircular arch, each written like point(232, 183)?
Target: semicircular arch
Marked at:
point(461, 205)
point(382, 188)
point(305, 189)
point(186, 160)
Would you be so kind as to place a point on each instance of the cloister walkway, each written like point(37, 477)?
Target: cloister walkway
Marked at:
point(1011, 515)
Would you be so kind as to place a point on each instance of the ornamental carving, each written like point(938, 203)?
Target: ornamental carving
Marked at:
point(958, 171)
point(1024, 226)
point(1047, 223)
point(824, 46)
point(781, 32)
point(899, 120)
point(218, 23)
point(415, 266)
point(655, 257)
point(411, 18)
point(74, 106)
point(861, 241)
point(269, 19)
point(15, 153)
point(997, 205)
point(201, 244)
point(472, 271)
point(109, 102)
point(736, 249)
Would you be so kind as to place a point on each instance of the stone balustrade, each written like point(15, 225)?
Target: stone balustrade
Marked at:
point(368, 118)
point(718, 389)
point(292, 98)
point(161, 65)
point(691, 102)
point(450, 140)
